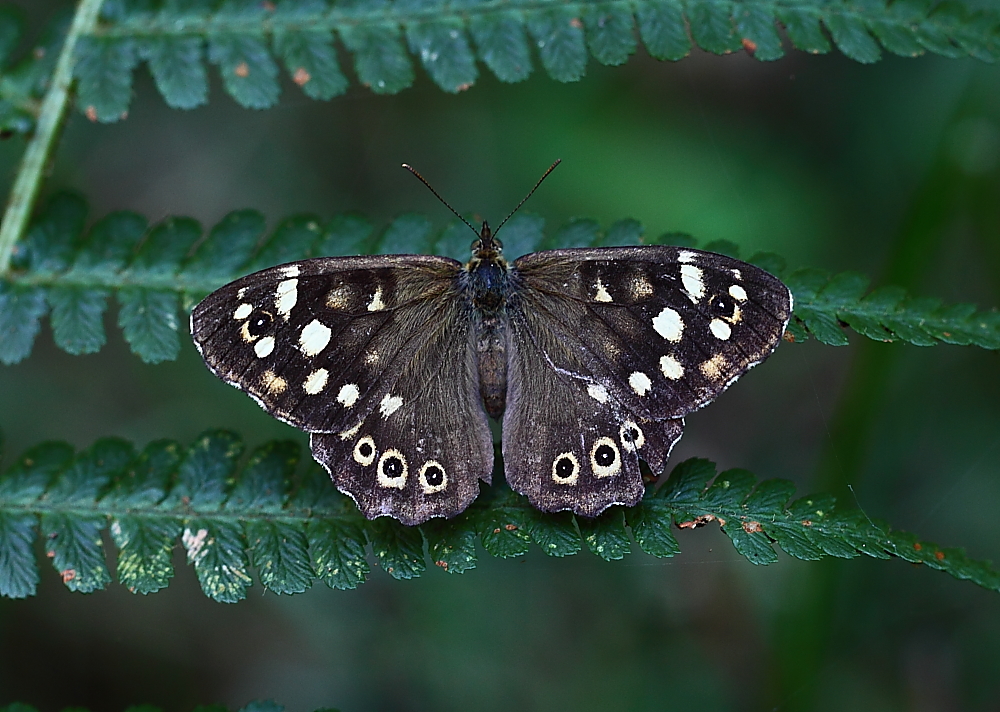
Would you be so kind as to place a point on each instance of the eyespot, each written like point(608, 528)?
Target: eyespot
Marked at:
point(566, 469)
point(259, 323)
point(631, 436)
point(392, 469)
point(432, 477)
point(364, 451)
point(605, 460)
point(722, 305)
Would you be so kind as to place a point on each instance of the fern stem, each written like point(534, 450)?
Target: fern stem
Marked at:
point(36, 156)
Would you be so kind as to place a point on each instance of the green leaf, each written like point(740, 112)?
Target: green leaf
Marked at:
point(227, 247)
point(248, 72)
point(605, 535)
point(408, 234)
point(292, 240)
point(204, 475)
point(148, 320)
point(379, 58)
point(555, 534)
point(21, 310)
point(311, 60)
point(558, 35)
point(851, 37)
point(661, 26)
point(104, 72)
point(712, 26)
point(346, 234)
point(756, 25)
point(451, 543)
point(803, 27)
point(444, 51)
point(164, 249)
point(610, 32)
point(337, 552)
point(522, 234)
point(18, 571)
point(78, 318)
point(502, 45)
point(219, 554)
point(399, 549)
point(177, 66)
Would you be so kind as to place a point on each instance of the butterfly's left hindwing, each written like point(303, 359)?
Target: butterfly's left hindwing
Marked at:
point(371, 355)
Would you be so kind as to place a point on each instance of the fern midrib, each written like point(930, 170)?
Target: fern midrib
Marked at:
point(151, 512)
point(153, 26)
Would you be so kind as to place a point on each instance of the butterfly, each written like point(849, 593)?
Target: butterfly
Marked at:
point(590, 358)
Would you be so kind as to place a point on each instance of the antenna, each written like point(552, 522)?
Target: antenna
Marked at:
point(423, 180)
point(544, 176)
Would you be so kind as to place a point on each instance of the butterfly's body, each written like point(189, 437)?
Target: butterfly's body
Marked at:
point(591, 358)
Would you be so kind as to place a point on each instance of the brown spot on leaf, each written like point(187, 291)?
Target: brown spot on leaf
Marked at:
point(749, 45)
point(50, 554)
point(463, 87)
point(575, 22)
point(497, 530)
point(917, 546)
point(752, 527)
point(38, 52)
point(68, 575)
point(242, 70)
point(807, 522)
point(122, 116)
point(91, 113)
point(301, 76)
point(789, 337)
point(939, 555)
point(442, 564)
point(696, 522)
point(510, 527)
point(268, 5)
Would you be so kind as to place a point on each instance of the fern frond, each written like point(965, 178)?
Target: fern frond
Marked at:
point(156, 274)
point(248, 41)
point(254, 706)
point(235, 516)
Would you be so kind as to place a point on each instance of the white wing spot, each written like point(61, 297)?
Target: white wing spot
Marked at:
point(241, 292)
point(389, 405)
point(720, 329)
point(598, 392)
point(376, 303)
point(264, 347)
point(686, 256)
point(737, 273)
point(316, 381)
point(640, 383)
point(314, 337)
point(671, 367)
point(602, 294)
point(286, 296)
point(738, 293)
point(242, 312)
point(290, 271)
point(668, 324)
point(641, 288)
point(691, 279)
point(348, 394)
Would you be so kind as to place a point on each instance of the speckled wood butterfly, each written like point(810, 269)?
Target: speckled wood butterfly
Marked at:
point(590, 358)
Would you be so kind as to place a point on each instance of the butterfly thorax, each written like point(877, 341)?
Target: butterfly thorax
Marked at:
point(487, 282)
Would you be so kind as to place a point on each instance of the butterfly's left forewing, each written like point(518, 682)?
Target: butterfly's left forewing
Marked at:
point(370, 354)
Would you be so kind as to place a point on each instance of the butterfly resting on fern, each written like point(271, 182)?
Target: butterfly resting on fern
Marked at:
point(589, 357)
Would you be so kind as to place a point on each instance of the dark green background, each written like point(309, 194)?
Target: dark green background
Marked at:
point(891, 169)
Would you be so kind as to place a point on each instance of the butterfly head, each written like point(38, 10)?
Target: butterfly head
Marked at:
point(486, 247)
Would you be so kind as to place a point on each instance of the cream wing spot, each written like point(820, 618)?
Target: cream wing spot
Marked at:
point(389, 405)
point(376, 304)
point(350, 433)
point(712, 368)
point(290, 271)
point(640, 288)
point(286, 296)
point(242, 312)
point(738, 293)
point(364, 451)
point(316, 381)
point(671, 367)
point(631, 436)
point(640, 383)
point(692, 281)
point(598, 392)
point(348, 394)
point(314, 337)
point(605, 460)
point(720, 329)
point(668, 324)
point(392, 469)
point(264, 347)
point(601, 295)
point(686, 256)
point(273, 383)
point(339, 297)
point(566, 469)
